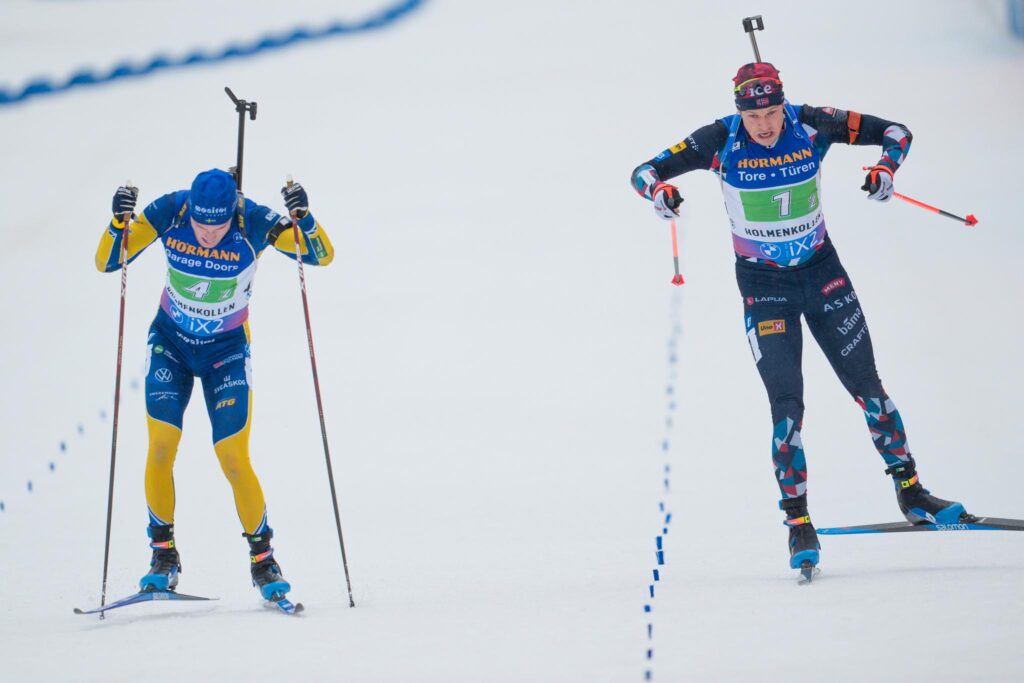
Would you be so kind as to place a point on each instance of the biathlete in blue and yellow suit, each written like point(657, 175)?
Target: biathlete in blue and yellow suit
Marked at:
point(212, 239)
point(768, 158)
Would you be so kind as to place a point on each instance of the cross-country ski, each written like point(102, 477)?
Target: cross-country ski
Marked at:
point(143, 596)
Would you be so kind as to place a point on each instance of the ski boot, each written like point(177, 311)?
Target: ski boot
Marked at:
point(165, 565)
point(803, 539)
point(266, 573)
point(917, 504)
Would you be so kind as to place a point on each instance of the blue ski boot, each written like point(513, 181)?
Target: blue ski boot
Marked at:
point(266, 573)
point(165, 565)
point(803, 539)
point(918, 505)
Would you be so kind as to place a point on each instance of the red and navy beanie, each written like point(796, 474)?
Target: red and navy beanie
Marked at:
point(757, 86)
point(213, 197)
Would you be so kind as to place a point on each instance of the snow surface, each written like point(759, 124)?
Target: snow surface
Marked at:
point(492, 346)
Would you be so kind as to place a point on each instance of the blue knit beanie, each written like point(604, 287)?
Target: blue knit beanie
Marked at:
point(213, 197)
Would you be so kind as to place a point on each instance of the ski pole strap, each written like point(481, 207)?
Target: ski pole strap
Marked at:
point(798, 521)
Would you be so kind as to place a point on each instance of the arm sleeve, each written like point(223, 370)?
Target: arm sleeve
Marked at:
point(315, 247)
point(853, 128)
point(143, 231)
point(697, 152)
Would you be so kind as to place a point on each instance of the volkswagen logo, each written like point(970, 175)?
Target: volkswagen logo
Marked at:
point(163, 375)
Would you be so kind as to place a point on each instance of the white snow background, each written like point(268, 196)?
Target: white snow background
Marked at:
point(491, 342)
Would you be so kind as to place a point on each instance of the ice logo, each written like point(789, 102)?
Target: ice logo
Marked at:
point(770, 251)
point(163, 375)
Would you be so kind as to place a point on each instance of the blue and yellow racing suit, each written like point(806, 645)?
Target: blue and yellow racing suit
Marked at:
point(201, 330)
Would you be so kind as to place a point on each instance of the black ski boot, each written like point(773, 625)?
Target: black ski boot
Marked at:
point(165, 565)
point(803, 539)
point(917, 504)
point(266, 573)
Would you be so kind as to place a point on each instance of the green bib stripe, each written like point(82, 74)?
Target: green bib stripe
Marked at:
point(202, 290)
point(780, 203)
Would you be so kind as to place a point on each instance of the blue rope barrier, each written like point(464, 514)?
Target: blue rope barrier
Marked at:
point(123, 70)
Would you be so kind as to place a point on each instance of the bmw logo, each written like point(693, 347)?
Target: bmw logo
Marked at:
point(770, 250)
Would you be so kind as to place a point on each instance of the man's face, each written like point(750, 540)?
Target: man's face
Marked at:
point(764, 126)
point(210, 235)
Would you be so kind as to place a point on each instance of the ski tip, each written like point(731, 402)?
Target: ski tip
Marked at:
point(78, 611)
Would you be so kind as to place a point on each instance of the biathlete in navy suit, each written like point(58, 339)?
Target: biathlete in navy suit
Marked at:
point(768, 157)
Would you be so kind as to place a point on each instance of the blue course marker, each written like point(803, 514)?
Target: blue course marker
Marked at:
point(1, 506)
point(53, 466)
point(30, 486)
point(661, 557)
point(657, 576)
point(63, 446)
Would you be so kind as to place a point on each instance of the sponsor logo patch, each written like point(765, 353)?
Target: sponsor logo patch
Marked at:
point(766, 327)
point(751, 300)
point(833, 286)
point(163, 375)
point(678, 147)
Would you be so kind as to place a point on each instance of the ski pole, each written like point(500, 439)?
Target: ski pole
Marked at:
point(319, 403)
point(970, 221)
point(127, 218)
point(751, 24)
point(677, 279)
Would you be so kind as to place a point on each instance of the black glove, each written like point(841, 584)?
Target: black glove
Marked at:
point(124, 200)
point(295, 199)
